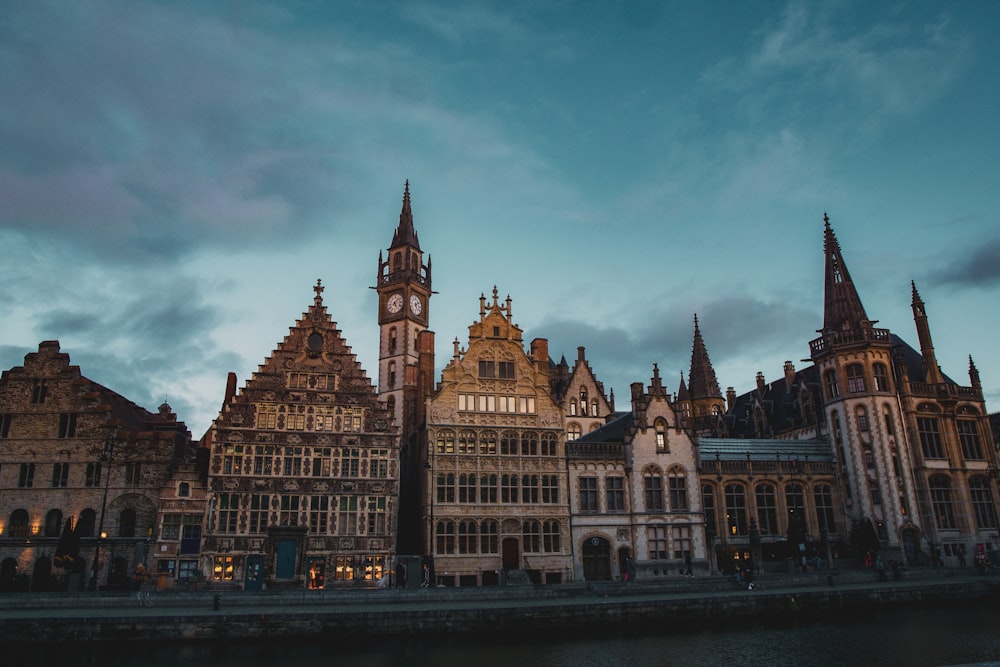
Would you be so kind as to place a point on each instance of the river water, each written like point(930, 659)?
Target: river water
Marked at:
point(967, 634)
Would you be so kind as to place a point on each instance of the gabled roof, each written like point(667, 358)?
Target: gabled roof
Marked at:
point(782, 405)
point(614, 429)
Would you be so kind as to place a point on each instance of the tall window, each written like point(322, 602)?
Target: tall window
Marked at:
point(508, 443)
point(260, 506)
point(551, 537)
point(446, 487)
point(930, 437)
point(529, 444)
point(467, 488)
point(681, 538)
point(944, 513)
point(548, 444)
point(656, 538)
point(350, 462)
point(488, 488)
point(347, 516)
point(830, 380)
point(968, 435)
point(26, 476)
point(823, 495)
point(573, 431)
point(126, 523)
point(85, 525)
point(856, 379)
point(67, 425)
point(467, 540)
point(653, 490)
point(862, 420)
point(615, 492)
point(588, 494)
point(319, 510)
point(767, 511)
point(376, 515)
point(678, 489)
point(229, 509)
point(60, 474)
point(661, 436)
point(133, 473)
point(5, 420)
point(170, 527)
point(53, 523)
point(881, 377)
point(795, 502)
point(736, 509)
point(531, 534)
point(529, 488)
point(39, 391)
point(982, 503)
point(488, 543)
point(288, 512)
point(445, 542)
point(708, 507)
point(508, 489)
point(550, 488)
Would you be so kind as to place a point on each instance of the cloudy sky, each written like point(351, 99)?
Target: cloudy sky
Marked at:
point(175, 176)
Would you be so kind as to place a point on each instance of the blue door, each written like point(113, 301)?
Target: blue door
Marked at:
point(285, 568)
point(253, 579)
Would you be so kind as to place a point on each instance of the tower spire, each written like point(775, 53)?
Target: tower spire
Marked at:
point(703, 382)
point(842, 309)
point(932, 373)
point(405, 233)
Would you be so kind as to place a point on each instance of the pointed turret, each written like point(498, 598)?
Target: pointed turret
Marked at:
point(842, 309)
point(703, 383)
point(932, 372)
point(405, 233)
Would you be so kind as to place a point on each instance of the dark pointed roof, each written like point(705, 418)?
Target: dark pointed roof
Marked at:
point(703, 382)
point(405, 233)
point(842, 307)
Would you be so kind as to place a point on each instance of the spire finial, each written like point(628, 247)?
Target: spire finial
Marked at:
point(318, 288)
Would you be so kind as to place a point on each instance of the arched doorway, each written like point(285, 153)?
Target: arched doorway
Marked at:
point(596, 559)
point(41, 579)
point(511, 554)
point(910, 538)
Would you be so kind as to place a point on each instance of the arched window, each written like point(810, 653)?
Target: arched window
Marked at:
point(508, 443)
point(572, 431)
point(944, 513)
point(881, 375)
point(17, 525)
point(661, 436)
point(583, 400)
point(856, 379)
point(982, 503)
point(795, 505)
point(572, 407)
point(677, 483)
point(830, 381)
point(593, 409)
point(862, 415)
point(825, 518)
point(488, 543)
point(126, 523)
point(446, 487)
point(488, 442)
point(85, 524)
point(53, 523)
point(531, 533)
point(767, 511)
point(652, 484)
point(392, 375)
point(466, 442)
point(551, 537)
point(467, 541)
point(392, 340)
point(736, 509)
point(445, 542)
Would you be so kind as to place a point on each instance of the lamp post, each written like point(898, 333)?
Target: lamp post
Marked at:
point(106, 457)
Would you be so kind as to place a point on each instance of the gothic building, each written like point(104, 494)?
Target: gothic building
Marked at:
point(303, 477)
point(634, 493)
point(495, 503)
point(80, 478)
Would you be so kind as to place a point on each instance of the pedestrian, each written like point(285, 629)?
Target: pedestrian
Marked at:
point(688, 572)
point(961, 555)
point(138, 574)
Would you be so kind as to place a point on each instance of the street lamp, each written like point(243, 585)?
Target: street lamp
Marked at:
point(106, 457)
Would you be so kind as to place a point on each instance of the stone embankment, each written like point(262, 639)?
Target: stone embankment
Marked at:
point(235, 615)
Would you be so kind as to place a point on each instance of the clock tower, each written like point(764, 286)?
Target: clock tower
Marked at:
point(404, 290)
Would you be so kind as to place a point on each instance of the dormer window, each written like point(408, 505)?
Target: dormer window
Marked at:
point(183, 490)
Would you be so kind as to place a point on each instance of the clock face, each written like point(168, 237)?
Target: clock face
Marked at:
point(395, 303)
point(415, 305)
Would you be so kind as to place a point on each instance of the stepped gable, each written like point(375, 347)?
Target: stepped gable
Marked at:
point(315, 349)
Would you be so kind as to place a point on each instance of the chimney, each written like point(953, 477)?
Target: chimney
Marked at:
point(760, 383)
point(540, 353)
point(230, 388)
point(730, 399)
point(789, 375)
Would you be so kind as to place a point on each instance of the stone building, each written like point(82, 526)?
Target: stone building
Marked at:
point(181, 514)
point(584, 404)
point(80, 479)
point(634, 499)
point(496, 505)
point(304, 470)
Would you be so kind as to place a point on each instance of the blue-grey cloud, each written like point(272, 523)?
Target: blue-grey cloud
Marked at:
point(978, 267)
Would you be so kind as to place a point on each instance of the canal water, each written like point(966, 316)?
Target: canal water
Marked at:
point(968, 634)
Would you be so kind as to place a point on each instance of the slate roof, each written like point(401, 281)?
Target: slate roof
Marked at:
point(761, 449)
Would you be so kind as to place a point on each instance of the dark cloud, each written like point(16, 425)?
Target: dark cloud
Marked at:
point(978, 268)
point(738, 329)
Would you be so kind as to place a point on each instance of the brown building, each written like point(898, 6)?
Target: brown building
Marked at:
point(496, 507)
point(81, 476)
point(303, 478)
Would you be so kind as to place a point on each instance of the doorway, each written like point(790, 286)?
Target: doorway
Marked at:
point(511, 554)
point(597, 559)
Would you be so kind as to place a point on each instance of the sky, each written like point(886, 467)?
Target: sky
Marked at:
point(175, 177)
